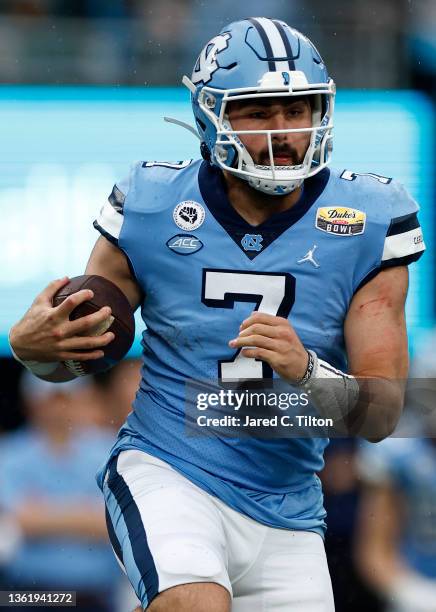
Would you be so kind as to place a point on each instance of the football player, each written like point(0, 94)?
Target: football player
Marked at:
point(256, 261)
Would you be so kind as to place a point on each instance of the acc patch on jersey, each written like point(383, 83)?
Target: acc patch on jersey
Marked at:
point(189, 215)
point(184, 244)
point(340, 220)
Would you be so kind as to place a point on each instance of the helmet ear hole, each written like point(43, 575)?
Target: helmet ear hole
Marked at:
point(227, 155)
point(233, 156)
point(200, 124)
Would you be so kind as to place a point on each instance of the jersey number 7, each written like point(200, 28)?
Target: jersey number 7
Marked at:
point(271, 293)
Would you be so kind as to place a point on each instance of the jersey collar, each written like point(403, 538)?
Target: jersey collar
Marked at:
point(213, 190)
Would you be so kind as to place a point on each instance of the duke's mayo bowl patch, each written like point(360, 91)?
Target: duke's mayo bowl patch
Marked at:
point(340, 220)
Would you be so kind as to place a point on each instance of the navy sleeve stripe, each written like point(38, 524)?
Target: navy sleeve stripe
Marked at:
point(104, 233)
point(117, 199)
point(114, 241)
point(399, 225)
point(110, 220)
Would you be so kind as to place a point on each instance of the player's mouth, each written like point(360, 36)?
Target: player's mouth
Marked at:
point(280, 160)
point(283, 160)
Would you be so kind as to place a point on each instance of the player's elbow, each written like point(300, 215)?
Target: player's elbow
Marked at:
point(376, 438)
point(383, 411)
point(386, 425)
point(383, 430)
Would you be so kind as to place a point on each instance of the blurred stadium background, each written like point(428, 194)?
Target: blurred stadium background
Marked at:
point(84, 86)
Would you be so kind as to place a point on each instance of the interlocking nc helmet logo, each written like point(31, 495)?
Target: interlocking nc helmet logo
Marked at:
point(207, 64)
point(252, 242)
point(309, 257)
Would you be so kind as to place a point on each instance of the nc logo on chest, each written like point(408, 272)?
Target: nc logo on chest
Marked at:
point(252, 242)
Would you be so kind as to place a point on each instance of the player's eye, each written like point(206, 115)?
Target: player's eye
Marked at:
point(295, 112)
point(257, 114)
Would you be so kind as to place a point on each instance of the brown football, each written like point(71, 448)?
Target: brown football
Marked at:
point(123, 324)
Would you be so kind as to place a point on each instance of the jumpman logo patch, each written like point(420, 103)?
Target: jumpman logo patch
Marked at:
point(309, 257)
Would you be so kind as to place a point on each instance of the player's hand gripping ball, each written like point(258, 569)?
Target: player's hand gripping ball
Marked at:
point(121, 322)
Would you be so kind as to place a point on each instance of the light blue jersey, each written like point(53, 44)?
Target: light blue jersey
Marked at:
point(204, 269)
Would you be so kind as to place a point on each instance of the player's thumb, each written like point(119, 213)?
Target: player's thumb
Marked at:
point(52, 288)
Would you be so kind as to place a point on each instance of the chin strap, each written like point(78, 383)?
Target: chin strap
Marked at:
point(271, 188)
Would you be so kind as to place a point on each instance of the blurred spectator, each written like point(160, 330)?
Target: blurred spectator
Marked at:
point(396, 537)
point(68, 8)
point(48, 490)
point(386, 45)
point(396, 546)
point(341, 498)
point(161, 31)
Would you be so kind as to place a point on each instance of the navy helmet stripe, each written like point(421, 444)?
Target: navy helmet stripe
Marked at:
point(137, 536)
point(285, 39)
point(266, 44)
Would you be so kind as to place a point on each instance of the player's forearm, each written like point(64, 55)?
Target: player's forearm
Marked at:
point(358, 405)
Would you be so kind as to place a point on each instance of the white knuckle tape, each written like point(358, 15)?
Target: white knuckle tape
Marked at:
point(38, 368)
point(100, 328)
point(334, 393)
